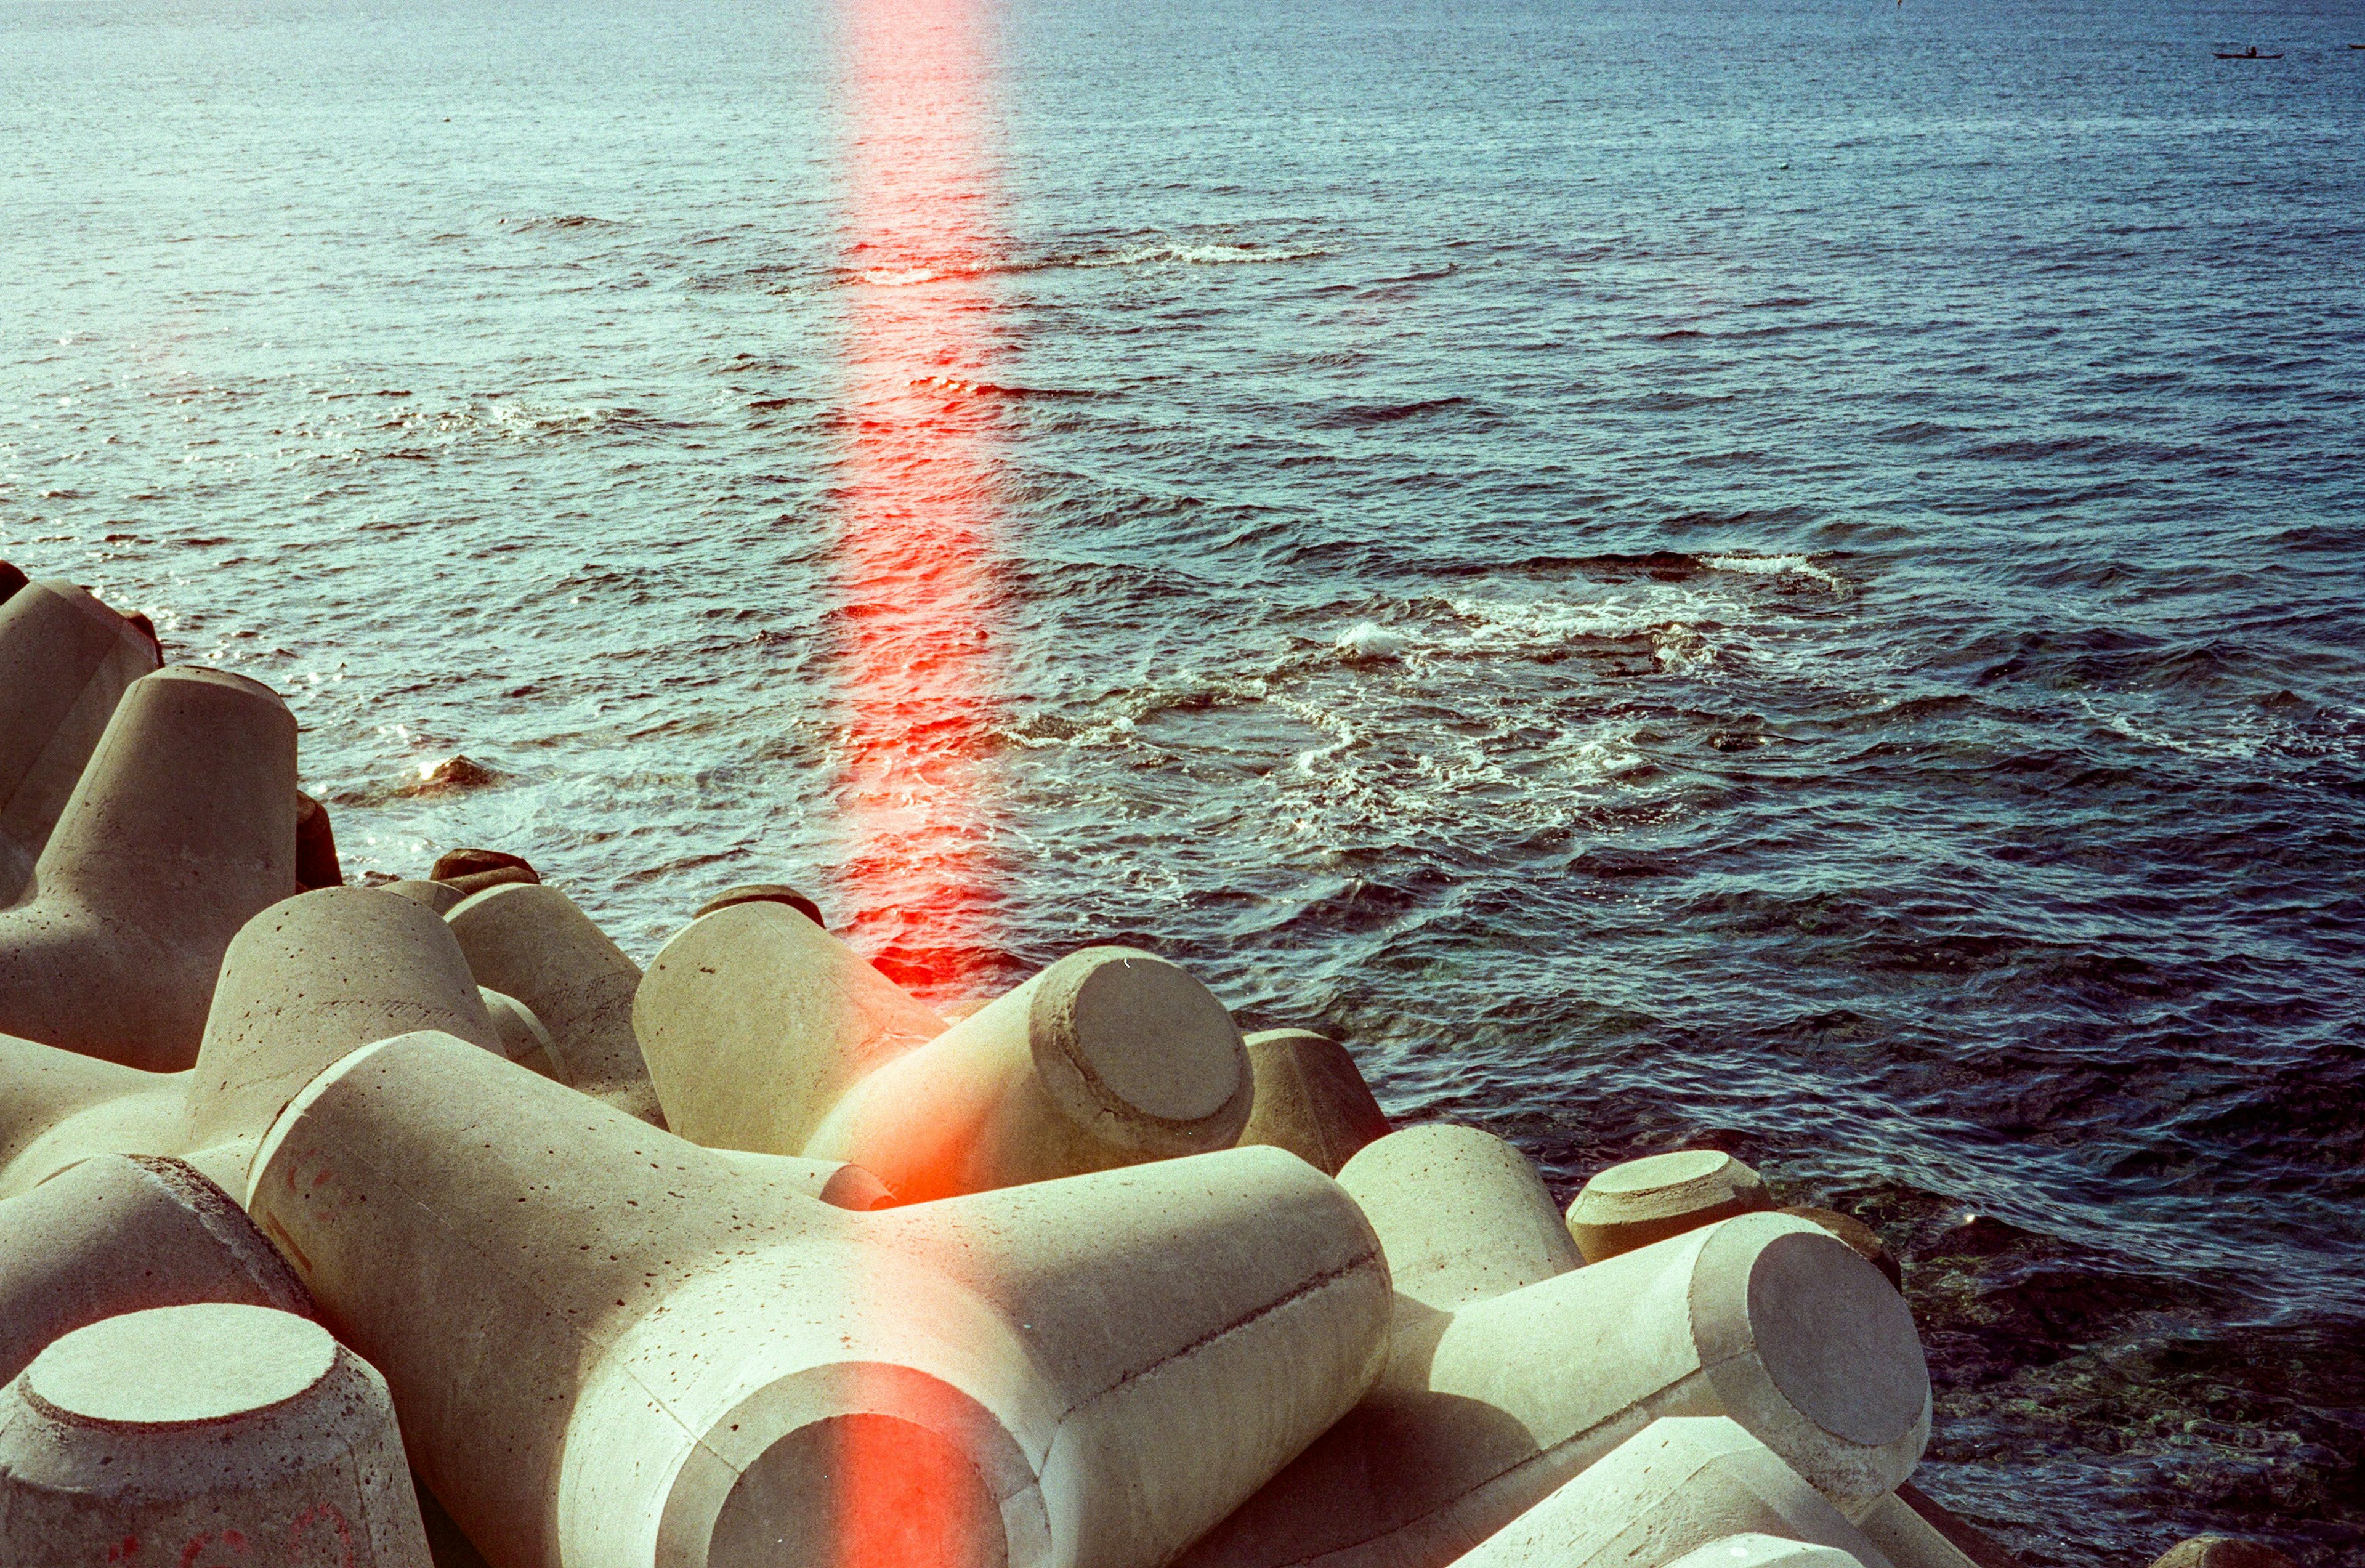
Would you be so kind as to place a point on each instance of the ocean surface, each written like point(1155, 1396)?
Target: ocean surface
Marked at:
point(1789, 577)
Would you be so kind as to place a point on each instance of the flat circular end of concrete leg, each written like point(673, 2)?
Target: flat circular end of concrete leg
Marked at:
point(1150, 1056)
point(1639, 1202)
point(174, 1366)
point(866, 1489)
point(1837, 1339)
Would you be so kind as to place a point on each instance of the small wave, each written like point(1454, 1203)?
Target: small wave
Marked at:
point(1387, 413)
point(955, 384)
point(1368, 639)
point(913, 274)
point(557, 221)
point(1778, 566)
point(1197, 256)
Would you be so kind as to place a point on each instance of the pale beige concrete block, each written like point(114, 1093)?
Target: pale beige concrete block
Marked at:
point(1764, 1552)
point(1641, 1201)
point(181, 829)
point(1915, 1532)
point(307, 981)
point(1310, 1099)
point(529, 941)
point(764, 1032)
point(2222, 1552)
point(612, 1349)
point(1671, 1489)
point(65, 662)
point(1462, 1214)
point(114, 1235)
point(1488, 1406)
point(217, 1433)
point(524, 1039)
point(441, 897)
point(763, 892)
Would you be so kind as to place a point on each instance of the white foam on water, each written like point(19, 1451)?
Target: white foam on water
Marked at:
point(1370, 640)
point(1778, 567)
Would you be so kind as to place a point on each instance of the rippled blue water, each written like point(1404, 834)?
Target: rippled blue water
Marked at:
point(1782, 576)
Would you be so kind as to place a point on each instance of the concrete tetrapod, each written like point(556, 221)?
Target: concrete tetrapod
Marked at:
point(764, 1032)
point(1490, 1402)
point(612, 1349)
point(114, 1235)
point(1641, 1201)
point(1672, 1488)
point(65, 662)
point(1462, 1215)
point(182, 829)
point(215, 1432)
point(1310, 1099)
point(307, 981)
point(529, 941)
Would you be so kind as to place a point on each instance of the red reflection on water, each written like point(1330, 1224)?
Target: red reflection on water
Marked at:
point(918, 517)
point(918, 497)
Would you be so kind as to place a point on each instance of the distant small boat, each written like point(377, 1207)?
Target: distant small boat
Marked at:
point(2252, 53)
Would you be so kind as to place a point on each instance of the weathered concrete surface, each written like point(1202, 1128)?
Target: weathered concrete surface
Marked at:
point(441, 897)
point(1310, 1099)
point(1673, 1487)
point(529, 941)
point(217, 1433)
point(182, 828)
point(763, 892)
point(611, 1347)
point(475, 862)
point(755, 1022)
point(1763, 1551)
point(1462, 1214)
point(1488, 1405)
point(114, 1235)
point(1914, 1533)
point(764, 1032)
point(1642, 1201)
point(65, 662)
point(307, 981)
point(524, 1039)
point(1856, 1233)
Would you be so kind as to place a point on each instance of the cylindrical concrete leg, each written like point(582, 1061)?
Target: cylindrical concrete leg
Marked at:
point(210, 1433)
point(1642, 1201)
point(610, 1346)
point(1764, 1552)
point(441, 897)
point(1662, 1493)
point(120, 1234)
point(313, 978)
point(1484, 1411)
point(1462, 1215)
point(524, 1039)
point(529, 941)
point(1310, 1099)
point(756, 1021)
point(65, 662)
point(316, 846)
point(182, 829)
point(1109, 1058)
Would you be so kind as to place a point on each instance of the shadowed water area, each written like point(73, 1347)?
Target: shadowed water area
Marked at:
point(1781, 577)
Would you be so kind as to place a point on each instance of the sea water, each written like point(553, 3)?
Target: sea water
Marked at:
point(1779, 576)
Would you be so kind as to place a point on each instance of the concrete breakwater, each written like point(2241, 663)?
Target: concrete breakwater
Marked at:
point(416, 1224)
